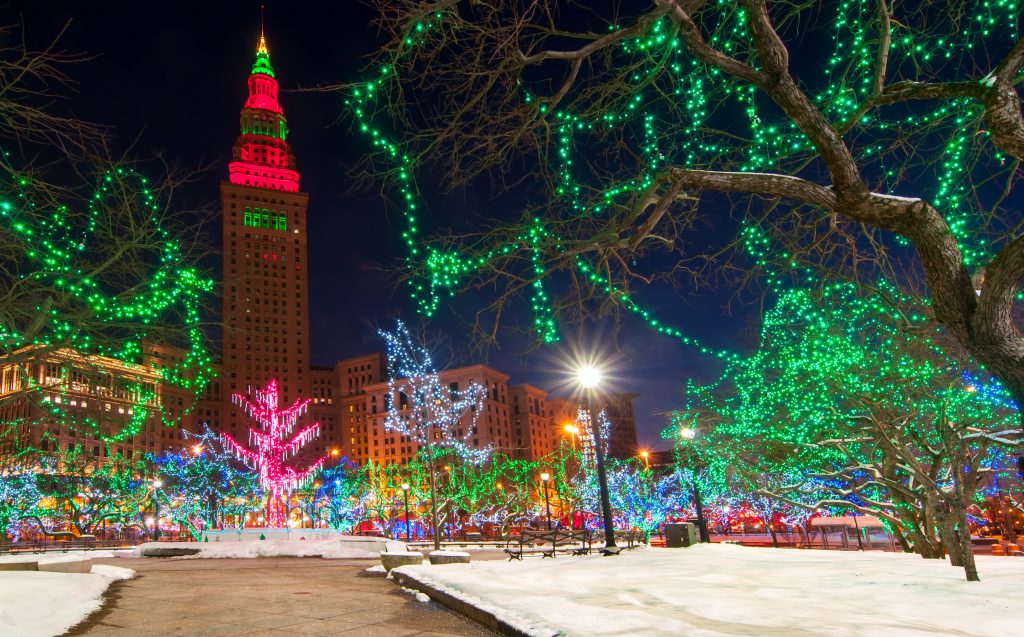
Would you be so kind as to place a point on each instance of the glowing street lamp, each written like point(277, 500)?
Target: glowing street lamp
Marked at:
point(589, 378)
point(405, 488)
point(647, 458)
point(544, 477)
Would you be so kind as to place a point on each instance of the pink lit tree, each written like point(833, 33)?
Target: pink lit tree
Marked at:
point(273, 445)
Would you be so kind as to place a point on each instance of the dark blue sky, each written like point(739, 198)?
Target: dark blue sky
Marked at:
point(170, 78)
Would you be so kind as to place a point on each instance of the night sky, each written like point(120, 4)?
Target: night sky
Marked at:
point(170, 78)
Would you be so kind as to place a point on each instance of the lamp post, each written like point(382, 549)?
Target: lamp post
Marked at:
point(572, 430)
point(647, 459)
point(589, 378)
point(156, 509)
point(544, 477)
point(405, 488)
point(690, 433)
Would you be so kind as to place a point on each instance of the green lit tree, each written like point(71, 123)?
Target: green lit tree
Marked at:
point(851, 402)
point(100, 266)
point(83, 496)
point(834, 134)
point(19, 492)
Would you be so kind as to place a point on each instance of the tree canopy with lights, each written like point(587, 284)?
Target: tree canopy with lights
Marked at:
point(856, 136)
point(94, 271)
point(854, 401)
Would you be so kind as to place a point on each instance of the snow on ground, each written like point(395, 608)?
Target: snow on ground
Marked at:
point(717, 590)
point(328, 549)
point(36, 604)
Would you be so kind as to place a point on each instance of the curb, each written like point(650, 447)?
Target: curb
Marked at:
point(463, 607)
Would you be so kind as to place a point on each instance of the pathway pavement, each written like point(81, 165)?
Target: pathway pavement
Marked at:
point(260, 597)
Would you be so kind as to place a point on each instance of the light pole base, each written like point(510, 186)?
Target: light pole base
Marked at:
point(611, 550)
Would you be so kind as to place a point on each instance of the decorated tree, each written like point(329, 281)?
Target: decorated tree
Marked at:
point(201, 480)
point(505, 499)
point(337, 498)
point(19, 492)
point(641, 498)
point(435, 417)
point(385, 501)
point(850, 402)
point(274, 443)
point(81, 496)
point(835, 134)
point(93, 271)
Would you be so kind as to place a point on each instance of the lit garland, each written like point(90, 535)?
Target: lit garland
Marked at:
point(667, 78)
point(273, 445)
point(83, 312)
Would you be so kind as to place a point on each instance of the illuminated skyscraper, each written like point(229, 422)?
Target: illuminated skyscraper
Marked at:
point(266, 298)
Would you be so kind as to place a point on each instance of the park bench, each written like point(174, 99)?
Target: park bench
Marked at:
point(548, 543)
point(630, 538)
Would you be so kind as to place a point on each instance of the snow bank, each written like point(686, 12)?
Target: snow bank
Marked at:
point(35, 604)
point(332, 549)
point(717, 590)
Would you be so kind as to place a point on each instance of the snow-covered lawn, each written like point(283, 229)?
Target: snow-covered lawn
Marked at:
point(715, 590)
point(37, 604)
point(329, 549)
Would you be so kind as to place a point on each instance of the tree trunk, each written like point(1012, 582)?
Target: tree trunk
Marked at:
point(945, 522)
point(433, 497)
point(771, 529)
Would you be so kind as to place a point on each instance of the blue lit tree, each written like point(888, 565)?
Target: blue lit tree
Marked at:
point(202, 479)
point(435, 417)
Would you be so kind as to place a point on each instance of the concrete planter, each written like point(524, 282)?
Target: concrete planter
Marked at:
point(449, 557)
point(166, 551)
point(66, 566)
point(394, 560)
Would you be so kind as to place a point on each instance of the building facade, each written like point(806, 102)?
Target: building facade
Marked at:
point(534, 433)
point(59, 400)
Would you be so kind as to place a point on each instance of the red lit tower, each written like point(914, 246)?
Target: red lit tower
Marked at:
point(266, 322)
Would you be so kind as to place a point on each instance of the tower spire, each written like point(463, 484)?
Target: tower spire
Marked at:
point(262, 48)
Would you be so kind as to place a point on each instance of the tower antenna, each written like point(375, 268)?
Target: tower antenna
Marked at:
point(263, 9)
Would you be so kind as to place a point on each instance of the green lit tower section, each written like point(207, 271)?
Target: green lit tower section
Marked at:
point(265, 303)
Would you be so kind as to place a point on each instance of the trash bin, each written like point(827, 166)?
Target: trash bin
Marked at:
point(680, 535)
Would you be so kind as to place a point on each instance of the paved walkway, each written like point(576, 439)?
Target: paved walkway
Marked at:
point(266, 596)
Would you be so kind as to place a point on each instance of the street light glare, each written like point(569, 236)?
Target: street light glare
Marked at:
point(545, 476)
point(688, 432)
point(588, 376)
point(405, 486)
